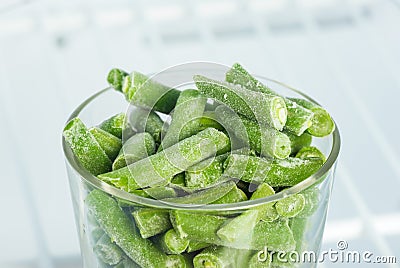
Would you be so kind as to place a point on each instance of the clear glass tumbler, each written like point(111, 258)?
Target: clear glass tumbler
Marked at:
point(306, 228)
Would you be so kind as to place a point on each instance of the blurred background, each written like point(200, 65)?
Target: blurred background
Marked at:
point(55, 54)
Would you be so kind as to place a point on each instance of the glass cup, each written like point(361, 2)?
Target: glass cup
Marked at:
point(305, 230)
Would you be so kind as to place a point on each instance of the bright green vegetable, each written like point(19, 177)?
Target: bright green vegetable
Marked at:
point(284, 172)
point(160, 192)
point(114, 125)
point(233, 230)
point(263, 108)
point(116, 77)
point(290, 206)
point(263, 139)
point(127, 263)
point(266, 212)
point(190, 106)
point(107, 251)
point(151, 221)
point(205, 173)
point(137, 147)
point(298, 117)
point(142, 91)
point(160, 168)
point(233, 196)
point(310, 151)
point(206, 196)
point(322, 123)
point(121, 230)
point(311, 198)
point(259, 260)
point(85, 147)
point(143, 120)
point(298, 227)
point(298, 142)
point(218, 257)
point(108, 142)
point(171, 243)
point(196, 245)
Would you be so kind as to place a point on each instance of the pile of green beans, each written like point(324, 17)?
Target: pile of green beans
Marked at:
point(250, 144)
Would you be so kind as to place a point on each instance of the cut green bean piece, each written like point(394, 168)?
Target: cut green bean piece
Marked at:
point(263, 139)
point(298, 142)
point(115, 78)
point(205, 173)
point(233, 231)
point(190, 105)
point(310, 151)
point(261, 259)
point(206, 196)
point(108, 142)
point(161, 192)
point(247, 168)
point(151, 221)
point(298, 227)
point(179, 261)
point(96, 233)
point(263, 108)
point(145, 92)
point(290, 171)
point(107, 251)
point(322, 123)
point(208, 119)
point(160, 168)
point(276, 236)
point(311, 196)
point(290, 206)
point(171, 243)
point(121, 230)
point(137, 147)
point(196, 245)
point(266, 212)
point(233, 196)
point(216, 257)
point(114, 125)
point(143, 120)
point(85, 147)
point(298, 117)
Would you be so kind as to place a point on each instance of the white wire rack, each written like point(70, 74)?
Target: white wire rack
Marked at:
point(54, 54)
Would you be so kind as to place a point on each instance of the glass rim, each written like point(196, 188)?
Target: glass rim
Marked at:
point(103, 186)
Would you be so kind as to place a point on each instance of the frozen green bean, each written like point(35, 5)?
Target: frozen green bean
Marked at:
point(143, 120)
point(309, 152)
point(178, 180)
point(190, 105)
point(137, 147)
point(264, 108)
point(110, 144)
point(239, 229)
point(298, 117)
point(266, 212)
point(263, 139)
point(142, 91)
point(298, 142)
point(298, 227)
point(114, 125)
point(171, 243)
point(290, 206)
point(205, 173)
point(259, 260)
point(215, 256)
point(85, 147)
point(116, 77)
point(120, 229)
point(151, 221)
point(311, 198)
point(208, 119)
point(161, 192)
point(107, 251)
point(206, 196)
point(233, 196)
point(322, 123)
point(127, 263)
point(159, 169)
point(196, 245)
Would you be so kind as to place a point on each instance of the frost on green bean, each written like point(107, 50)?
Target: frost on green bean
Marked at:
point(160, 168)
point(263, 108)
point(265, 140)
point(298, 142)
point(142, 91)
point(205, 173)
point(233, 196)
point(190, 105)
point(108, 142)
point(290, 206)
point(116, 77)
point(137, 147)
point(85, 147)
point(214, 256)
point(309, 152)
point(114, 125)
point(107, 251)
point(171, 243)
point(143, 120)
point(151, 221)
point(298, 117)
